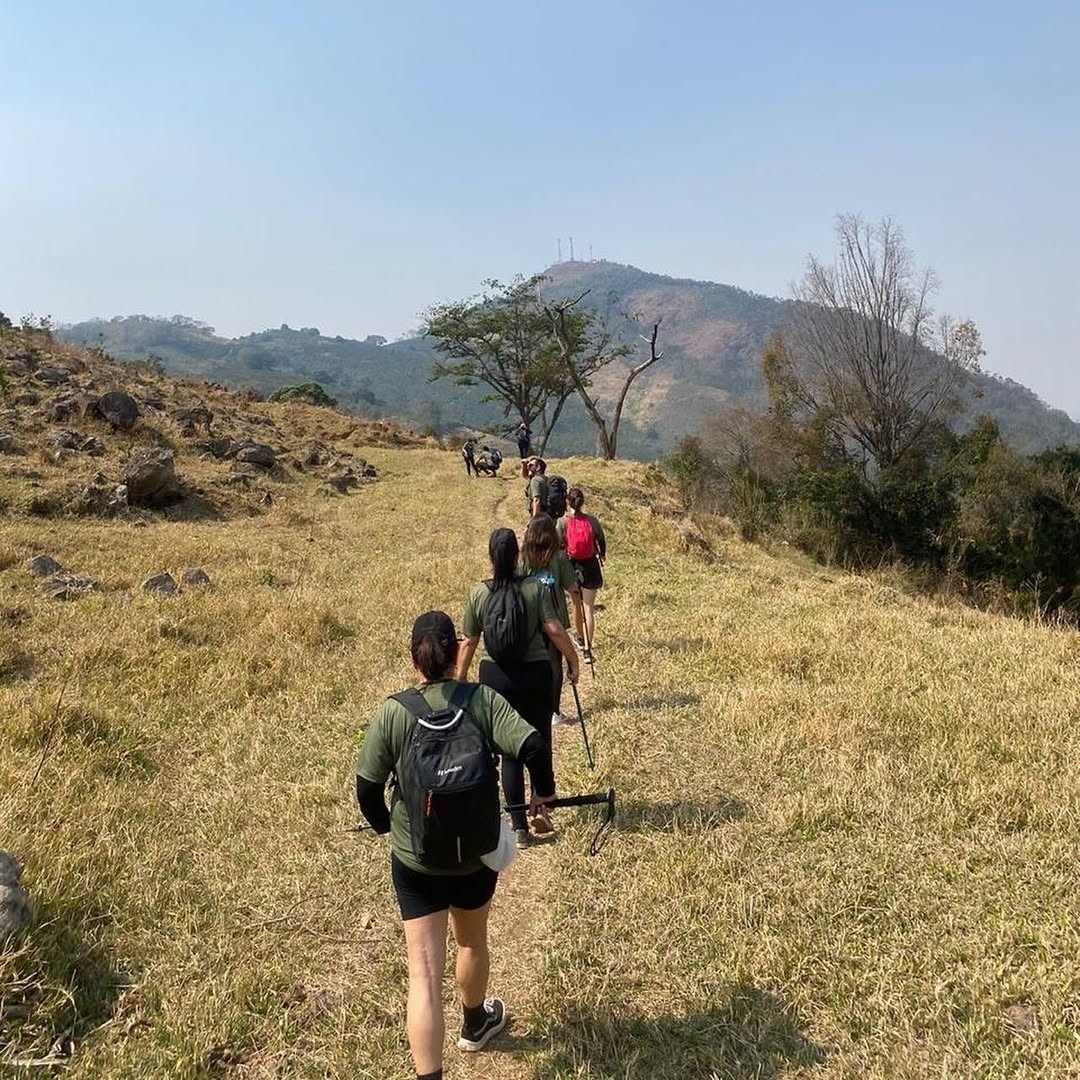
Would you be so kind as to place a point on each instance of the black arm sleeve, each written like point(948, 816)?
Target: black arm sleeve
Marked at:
point(536, 757)
point(372, 800)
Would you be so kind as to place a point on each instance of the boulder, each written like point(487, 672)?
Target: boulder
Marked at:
point(44, 566)
point(119, 409)
point(75, 440)
point(197, 578)
point(101, 499)
point(65, 586)
point(52, 376)
point(162, 584)
point(151, 480)
point(253, 453)
point(14, 903)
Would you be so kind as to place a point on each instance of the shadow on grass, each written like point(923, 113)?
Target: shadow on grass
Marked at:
point(60, 982)
point(650, 703)
point(747, 1034)
point(679, 815)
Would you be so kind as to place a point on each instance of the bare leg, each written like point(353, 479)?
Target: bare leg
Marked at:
point(588, 598)
point(575, 598)
point(473, 958)
point(426, 941)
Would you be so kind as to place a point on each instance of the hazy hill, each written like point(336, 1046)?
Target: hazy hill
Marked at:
point(712, 336)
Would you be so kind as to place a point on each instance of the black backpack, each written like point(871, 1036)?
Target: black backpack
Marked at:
point(449, 781)
point(556, 500)
point(506, 629)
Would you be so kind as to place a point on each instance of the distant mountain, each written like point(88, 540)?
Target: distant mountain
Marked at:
point(712, 336)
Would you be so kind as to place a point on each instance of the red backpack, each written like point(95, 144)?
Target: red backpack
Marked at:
point(580, 541)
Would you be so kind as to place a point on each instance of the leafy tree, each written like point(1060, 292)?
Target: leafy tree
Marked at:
point(311, 392)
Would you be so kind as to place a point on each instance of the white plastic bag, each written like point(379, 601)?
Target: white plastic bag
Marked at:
point(506, 851)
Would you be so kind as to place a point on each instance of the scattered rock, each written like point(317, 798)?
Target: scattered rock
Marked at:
point(219, 448)
point(342, 482)
point(65, 586)
point(52, 376)
point(101, 499)
point(44, 566)
point(119, 409)
point(316, 454)
point(70, 408)
point(27, 397)
point(1021, 1018)
point(192, 419)
point(14, 903)
point(162, 584)
point(693, 543)
point(8, 444)
point(253, 453)
point(77, 441)
point(197, 578)
point(150, 476)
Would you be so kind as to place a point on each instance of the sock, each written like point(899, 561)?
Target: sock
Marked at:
point(474, 1017)
point(436, 1075)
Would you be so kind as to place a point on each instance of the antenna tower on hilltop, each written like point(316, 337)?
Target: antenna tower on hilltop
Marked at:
point(559, 243)
point(571, 249)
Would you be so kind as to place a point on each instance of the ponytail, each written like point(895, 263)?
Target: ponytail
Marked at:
point(575, 499)
point(503, 550)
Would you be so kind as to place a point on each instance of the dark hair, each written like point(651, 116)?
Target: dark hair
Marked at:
point(541, 466)
point(575, 498)
point(434, 644)
point(541, 543)
point(503, 550)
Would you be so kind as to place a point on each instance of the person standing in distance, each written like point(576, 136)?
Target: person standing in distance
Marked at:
point(536, 490)
point(524, 439)
point(468, 452)
point(431, 895)
point(583, 538)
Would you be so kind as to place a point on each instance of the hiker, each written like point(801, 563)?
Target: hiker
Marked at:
point(542, 557)
point(432, 884)
point(514, 613)
point(583, 538)
point(524, 439)
point(489, 461)
point(536, 490)
point(468, 452)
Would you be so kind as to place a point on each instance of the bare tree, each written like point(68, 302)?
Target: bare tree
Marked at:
point(863, 353)
point(586, 345)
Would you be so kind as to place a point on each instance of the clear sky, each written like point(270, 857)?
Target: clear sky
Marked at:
point(343, 165)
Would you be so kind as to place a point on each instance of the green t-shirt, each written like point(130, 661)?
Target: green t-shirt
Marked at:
point(385, 738)
point(559, 578)
point(539, 609)
point(537, 489)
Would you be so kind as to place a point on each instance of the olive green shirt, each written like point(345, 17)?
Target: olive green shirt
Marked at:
point(537, 489)
point(559, 578)
point(385, 739)
point(539, 609)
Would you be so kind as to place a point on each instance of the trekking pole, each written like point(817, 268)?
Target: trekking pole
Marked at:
point(599, 799)
point(588, 643)
point(584, 730)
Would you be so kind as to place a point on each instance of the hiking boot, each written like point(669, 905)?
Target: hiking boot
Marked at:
point(495, 1019)
point(562, 720)
point(586, 656)
point(524, 838)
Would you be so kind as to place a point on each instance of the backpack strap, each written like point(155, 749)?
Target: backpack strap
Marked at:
point(414, 701)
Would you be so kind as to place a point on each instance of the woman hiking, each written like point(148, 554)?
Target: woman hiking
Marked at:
point(513, 614)
point(583, 538)
point(542, 557)
point(433, 886)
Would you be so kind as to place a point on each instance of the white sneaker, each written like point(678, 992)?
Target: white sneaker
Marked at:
point(562, 720)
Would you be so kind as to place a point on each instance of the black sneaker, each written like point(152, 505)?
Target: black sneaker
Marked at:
point(495, 1019)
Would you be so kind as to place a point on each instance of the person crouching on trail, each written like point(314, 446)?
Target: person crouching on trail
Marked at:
point(536, 490)
point(468, 452)
point(542, 557)
point(583, 538)
point(436, 861)
point(513, 614)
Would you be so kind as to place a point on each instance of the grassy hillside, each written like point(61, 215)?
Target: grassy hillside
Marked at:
point(846, 846)
point(712, 337)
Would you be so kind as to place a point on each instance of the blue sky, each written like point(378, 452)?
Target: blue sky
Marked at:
point(342, 165)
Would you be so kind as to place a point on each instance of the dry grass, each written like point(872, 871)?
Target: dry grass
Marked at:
point(847, 843)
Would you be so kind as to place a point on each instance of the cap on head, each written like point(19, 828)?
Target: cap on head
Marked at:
point(435, 624)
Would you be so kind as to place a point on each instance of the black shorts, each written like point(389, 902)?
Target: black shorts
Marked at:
point(423, 894)
point(589, 574)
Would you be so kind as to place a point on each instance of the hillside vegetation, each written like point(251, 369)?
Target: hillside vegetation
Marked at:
point(712, 336)
point(845, 848)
